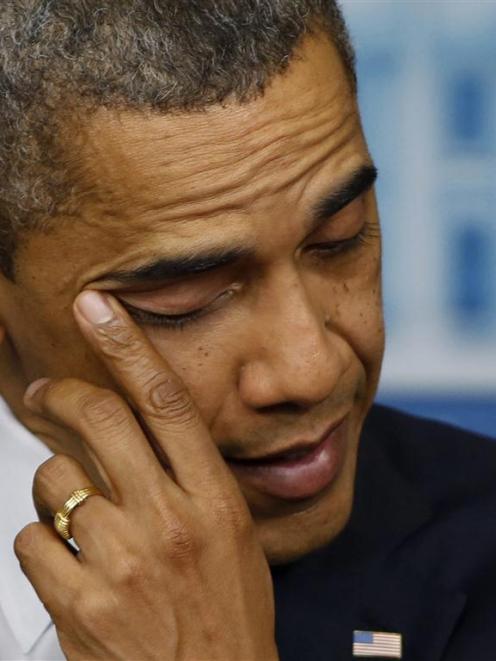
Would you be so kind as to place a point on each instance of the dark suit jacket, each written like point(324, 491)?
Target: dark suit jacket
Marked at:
point(418, 556)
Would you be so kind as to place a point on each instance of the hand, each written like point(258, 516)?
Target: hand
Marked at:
point(169, 565)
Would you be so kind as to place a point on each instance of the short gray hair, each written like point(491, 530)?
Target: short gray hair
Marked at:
point(163, 55)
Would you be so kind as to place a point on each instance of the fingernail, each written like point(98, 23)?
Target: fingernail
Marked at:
point(94, 308)
point(33, 388)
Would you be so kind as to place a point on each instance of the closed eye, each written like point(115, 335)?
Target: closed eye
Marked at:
point(325, 249)
point(176, 321)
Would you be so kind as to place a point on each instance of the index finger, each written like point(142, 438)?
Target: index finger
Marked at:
point(160, 397)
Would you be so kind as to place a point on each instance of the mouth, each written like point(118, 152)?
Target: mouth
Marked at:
point(300, 471)
point(296, 450)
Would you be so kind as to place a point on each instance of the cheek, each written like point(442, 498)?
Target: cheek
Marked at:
point(365, 323)
point(369, 331)
point(48, 342)
point(355, 305)
point(206, 366)
point(60, 353)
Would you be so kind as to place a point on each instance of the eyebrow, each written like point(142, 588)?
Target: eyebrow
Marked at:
point(178, 267)
point(173, 268)
point(357, 184)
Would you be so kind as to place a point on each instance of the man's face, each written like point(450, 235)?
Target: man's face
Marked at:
point(279, 338)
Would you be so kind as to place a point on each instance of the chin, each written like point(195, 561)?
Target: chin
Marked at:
point(293, 537)
point(295, 530)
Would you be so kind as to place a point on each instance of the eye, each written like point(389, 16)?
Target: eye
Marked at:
point(176, 321)
point(368, 232)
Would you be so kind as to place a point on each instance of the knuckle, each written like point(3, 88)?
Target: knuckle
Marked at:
point(181, 544)
point(118, 340)
point(128, 570)
point(169, 398)
point(102, 408)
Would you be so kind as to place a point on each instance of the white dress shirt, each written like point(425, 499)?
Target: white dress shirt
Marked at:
point(26, 631)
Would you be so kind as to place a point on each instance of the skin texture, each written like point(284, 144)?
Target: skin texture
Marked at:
point(298, 344)
point(167, 568)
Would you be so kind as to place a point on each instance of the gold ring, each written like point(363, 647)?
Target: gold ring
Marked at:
point(62, 521)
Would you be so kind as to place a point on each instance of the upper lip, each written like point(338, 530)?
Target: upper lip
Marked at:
point(299, 446)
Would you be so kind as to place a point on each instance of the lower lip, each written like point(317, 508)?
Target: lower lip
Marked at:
point(295, 479)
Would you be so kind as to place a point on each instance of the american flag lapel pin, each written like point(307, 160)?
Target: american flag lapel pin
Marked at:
point(377, 643)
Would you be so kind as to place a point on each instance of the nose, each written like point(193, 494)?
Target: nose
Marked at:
point(296, 357)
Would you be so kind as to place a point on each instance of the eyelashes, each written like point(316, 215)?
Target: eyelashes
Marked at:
point(323, 251)
point(176, 321)
point(369, 233)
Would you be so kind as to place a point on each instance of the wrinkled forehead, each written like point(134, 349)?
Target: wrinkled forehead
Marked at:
point(187, 161)
point(156, 182)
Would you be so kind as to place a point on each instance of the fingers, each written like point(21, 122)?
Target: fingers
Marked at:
point(159, 395)
point(54, 482)
point(109, 429)
point(54, 572)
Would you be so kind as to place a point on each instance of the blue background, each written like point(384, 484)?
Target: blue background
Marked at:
point(427, 77)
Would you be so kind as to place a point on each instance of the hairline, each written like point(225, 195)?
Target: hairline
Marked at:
point(85, 107)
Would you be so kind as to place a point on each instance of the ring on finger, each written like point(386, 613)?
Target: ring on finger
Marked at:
point(62, 519)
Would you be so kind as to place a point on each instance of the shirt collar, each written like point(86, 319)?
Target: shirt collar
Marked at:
point(21, 454)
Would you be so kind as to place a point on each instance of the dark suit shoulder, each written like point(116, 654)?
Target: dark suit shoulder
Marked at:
point(448, 464)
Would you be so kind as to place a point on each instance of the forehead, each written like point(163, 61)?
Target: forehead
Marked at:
point(154, 179)
point(186, 158)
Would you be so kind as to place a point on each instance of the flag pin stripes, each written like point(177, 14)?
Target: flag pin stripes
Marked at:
point(377, 643)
